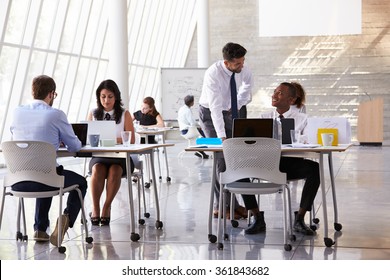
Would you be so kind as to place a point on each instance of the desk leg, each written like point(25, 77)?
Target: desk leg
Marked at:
point(133, 236)
point(337, 225)
point(159, 224)
point(211, 236)
point(328, 241)
point(166, 158)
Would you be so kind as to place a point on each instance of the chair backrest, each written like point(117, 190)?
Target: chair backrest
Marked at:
point(192, 133)
point(252, 157)
point(31, 161)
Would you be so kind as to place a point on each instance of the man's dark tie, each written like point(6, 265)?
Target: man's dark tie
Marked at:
point(107, 117)
point(233, 95)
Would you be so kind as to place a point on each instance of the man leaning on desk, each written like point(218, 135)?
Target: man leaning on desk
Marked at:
point(296, 168)
point(39, 121)
point(227, 86)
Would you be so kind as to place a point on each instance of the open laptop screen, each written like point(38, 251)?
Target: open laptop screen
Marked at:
point(81, 131)
point(106, 129)
point(287, 125)
point(253, 128)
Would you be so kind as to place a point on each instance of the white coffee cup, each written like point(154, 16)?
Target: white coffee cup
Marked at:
point(126, 138)
point(327, 139)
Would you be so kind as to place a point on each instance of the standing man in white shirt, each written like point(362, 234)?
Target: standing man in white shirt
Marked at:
point(216, 112)
point(186, 119)
point(39, 121)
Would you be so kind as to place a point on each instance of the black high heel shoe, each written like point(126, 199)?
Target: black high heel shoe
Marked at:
point(95, 221)
point(105, 221)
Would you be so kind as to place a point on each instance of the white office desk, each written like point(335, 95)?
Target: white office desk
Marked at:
point(157, 131)
point(146, 149)
point(315, 153)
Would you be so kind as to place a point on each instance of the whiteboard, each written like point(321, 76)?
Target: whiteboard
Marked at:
point(176, 83)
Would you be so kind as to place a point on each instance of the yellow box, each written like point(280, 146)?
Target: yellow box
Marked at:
point(335, 132)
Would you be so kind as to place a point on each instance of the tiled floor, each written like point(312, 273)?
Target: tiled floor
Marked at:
point(363, 193)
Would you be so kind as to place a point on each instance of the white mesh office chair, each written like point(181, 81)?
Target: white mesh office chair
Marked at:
point(35, 161)
point(254, 158)
point(191, 136)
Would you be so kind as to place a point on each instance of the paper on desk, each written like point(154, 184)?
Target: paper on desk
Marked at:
point(206, 146)
point(302, 145)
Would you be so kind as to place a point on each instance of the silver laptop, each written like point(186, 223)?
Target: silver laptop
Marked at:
point(106, 129)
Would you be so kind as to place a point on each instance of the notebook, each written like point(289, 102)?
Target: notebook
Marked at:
point(287, 125)
point(106, 129)
point(81, 131)
point(253, 128)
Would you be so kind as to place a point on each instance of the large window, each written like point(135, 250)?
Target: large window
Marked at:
point(67, 39)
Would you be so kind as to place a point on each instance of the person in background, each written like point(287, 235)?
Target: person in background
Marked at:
point(109, 107)
point(299, 103)
point(216, 112)
point(186, 119)
point(39, 121)
point(148, 116)
point(296, 168)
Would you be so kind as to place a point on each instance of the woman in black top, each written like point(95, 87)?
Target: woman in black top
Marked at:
point(148, 116)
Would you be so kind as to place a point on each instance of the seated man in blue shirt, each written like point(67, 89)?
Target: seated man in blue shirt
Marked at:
point(39, 121)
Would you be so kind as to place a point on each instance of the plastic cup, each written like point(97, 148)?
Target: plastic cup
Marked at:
point(126, 138)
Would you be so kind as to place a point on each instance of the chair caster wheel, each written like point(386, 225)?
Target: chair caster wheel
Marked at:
point(287, 247)
point(19, 236)
point(313, 227)
point(337, 226)
point(316, 221)
point(168, 179)
point(134, 237)
point(328, 242)
point(234, 223)
point(61, 249)
point(226, 236)
point(147, 185)
point(159, 225)
point(141, 221)
point(89, 239)
point(220, 246)
point(212, 238)
point(147, 215)
point(293, 238)
point(160, 178)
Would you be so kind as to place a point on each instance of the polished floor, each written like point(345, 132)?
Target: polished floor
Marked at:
point(363, 195)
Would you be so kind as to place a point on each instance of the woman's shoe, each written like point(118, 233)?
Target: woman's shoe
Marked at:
point(94, 220)
point(105, 221)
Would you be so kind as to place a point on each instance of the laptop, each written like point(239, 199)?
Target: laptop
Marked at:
point(106, 129)
point(81, 131)
point(253, 128)
point(287, 125)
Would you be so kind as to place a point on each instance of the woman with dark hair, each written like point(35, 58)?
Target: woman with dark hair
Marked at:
point(148, 116)
point(109, 107)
